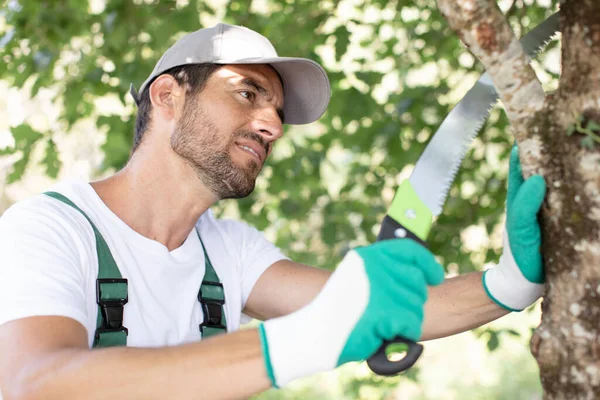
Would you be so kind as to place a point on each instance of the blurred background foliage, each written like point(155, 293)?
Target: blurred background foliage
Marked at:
point(396, 69)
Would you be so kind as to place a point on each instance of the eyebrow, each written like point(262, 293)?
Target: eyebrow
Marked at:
point(251, 83)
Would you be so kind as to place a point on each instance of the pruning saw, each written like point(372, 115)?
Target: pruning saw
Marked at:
point(420, 198)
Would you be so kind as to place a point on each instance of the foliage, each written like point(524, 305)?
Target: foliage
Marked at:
point(589, 128)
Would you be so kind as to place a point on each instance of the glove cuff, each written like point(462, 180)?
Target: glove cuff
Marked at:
point(264, 345)
point(288, 347)
point(506, 285)
point(311, 339)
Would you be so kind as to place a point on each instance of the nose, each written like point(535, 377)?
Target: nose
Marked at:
point(268, 124)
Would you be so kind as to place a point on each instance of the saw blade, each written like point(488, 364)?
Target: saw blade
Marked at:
point(435, 170)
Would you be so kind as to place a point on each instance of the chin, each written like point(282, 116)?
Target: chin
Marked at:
point(238, 191)
point(238, 183)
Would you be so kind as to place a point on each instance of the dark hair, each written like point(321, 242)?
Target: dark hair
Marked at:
point(193, 76)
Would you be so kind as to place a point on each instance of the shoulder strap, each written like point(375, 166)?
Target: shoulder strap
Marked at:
point(212, 298)
point(111, 293)
point(111, 290)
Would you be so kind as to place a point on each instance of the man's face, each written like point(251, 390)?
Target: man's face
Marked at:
point(227, 131)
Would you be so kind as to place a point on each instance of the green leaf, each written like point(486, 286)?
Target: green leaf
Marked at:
point(36, 87)
point(8, 150)
point(51, 160)
point(493, 341)
point(329, 233)
point(289, 207)
point(588, 142)
point(25, 136)
point(342, 40)
point(18, 169)
point(118, 140)
point(513, 332)
point(571, 129)
point(27, 69)
point(593, 125)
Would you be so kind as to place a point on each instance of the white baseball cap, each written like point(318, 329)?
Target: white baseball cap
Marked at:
point(306, 89)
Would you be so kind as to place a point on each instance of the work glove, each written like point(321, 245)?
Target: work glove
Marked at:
point(376, 293)
point(517, 281)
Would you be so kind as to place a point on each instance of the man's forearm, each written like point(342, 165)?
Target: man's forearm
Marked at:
point(224, 367)
point(457, 305)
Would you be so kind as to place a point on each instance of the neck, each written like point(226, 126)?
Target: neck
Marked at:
point(158, 195)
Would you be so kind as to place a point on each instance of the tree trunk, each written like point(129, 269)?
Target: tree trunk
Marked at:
point(559, 139)
point(566, 344)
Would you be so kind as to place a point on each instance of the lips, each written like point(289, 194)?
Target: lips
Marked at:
point(253, 148)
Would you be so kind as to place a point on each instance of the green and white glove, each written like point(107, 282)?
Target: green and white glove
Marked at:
point(517, 281)
point(376, 293)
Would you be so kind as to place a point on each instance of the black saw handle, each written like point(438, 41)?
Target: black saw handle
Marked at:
point(379, 362)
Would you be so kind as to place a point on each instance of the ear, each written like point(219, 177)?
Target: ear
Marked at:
point(166, 96)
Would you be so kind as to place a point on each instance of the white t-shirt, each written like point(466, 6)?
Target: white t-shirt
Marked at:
point(49, 266)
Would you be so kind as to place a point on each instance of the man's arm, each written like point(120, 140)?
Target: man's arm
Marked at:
point(48, 358)
point(457, 305)
point(284, 287)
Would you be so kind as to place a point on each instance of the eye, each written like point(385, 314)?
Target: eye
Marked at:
point(247, 94)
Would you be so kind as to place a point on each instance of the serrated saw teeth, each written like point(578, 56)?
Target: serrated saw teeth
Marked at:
point(436, 169)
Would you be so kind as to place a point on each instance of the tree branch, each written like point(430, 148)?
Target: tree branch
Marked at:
point(486, 32)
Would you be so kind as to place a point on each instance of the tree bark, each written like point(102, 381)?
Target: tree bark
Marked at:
point(567, 344)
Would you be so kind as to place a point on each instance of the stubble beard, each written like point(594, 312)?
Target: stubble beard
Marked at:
point(197, 140)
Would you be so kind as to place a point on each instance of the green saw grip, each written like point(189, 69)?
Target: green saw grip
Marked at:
point(408, 210)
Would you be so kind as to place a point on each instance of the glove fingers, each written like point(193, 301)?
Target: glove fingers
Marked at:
point(515, 176)
point(528, 201)
point(408, 325)
point(411, 279)
point(523, 228)
point(425, 261)
point(403, 300)
point(406, 251)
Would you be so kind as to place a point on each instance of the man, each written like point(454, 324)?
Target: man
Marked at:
point(209, 115)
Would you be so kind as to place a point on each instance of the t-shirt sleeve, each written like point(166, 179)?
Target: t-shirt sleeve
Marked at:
point(40, 264)
point(256, 254)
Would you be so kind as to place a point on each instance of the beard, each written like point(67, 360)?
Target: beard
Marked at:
point(198, 141)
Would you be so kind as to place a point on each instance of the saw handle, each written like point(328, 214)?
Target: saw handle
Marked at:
point(379, 362)
point(392, 229)
point(381, 365)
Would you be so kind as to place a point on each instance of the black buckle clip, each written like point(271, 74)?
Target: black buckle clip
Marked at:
point(100, 331)
point(112, 310)
point(213, 314)
point(202, 299)
point(204, 325)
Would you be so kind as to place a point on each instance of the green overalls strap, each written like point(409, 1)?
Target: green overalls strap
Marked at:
point(111, 290)
point(111, 293)
point(212, 299)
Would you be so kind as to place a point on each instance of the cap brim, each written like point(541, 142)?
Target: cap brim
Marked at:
point(306, 89)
